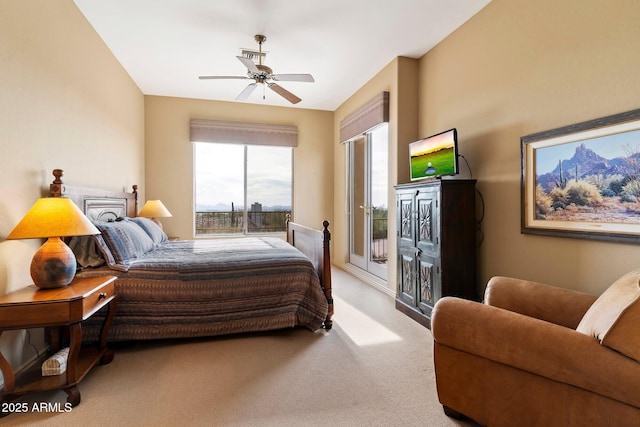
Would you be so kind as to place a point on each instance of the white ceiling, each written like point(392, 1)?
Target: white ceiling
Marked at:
point(166, 44)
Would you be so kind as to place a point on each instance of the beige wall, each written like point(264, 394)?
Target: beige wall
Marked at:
point(520, 67)
point(65, 102)
point(399, 78)
point(169, 156)
point(516, 68)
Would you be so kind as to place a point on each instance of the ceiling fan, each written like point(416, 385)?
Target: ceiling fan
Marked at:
point(261, 74)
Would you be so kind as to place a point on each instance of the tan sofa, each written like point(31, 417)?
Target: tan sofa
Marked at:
point(538, 355)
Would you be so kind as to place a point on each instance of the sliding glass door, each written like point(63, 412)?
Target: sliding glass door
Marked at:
point(368, 196)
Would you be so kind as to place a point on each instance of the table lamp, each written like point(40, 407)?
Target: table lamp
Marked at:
point(154, 209)
point(54, 264)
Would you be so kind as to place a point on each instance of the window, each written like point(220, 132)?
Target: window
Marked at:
point(241, 189)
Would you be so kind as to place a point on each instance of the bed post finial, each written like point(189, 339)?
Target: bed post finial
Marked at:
point(135, 197)
point(56, 187)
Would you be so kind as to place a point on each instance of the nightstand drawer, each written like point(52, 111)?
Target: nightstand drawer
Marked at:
point(97, 299)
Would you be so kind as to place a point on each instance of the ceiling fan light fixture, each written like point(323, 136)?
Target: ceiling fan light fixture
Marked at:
point(262, 74)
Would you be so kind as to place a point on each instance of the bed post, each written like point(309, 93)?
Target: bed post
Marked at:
point(135, 200)
point(326, 273)
point(56, 188)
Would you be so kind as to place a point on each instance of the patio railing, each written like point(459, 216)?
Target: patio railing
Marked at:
point(234, 222)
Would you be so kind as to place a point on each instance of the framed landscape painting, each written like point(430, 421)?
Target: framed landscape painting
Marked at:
point(583, 180)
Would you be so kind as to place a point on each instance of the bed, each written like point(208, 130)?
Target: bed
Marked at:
point(197, 288)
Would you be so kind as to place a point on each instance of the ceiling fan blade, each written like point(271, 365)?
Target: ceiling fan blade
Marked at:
point(293, 78)
point(284, 93)
point(246, 92)
point(249, 64)
point(222, 77)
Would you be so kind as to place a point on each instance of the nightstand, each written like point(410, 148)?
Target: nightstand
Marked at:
point(58, 311)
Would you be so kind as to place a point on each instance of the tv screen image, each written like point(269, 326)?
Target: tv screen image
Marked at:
point(434, 156)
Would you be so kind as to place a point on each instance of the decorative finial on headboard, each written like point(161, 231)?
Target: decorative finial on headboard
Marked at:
point(58, 173)
point(56, 187)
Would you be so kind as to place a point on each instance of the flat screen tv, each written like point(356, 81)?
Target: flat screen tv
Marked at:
point(434, 156)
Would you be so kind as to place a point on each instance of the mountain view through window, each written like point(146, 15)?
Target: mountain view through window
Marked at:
point(241, 189)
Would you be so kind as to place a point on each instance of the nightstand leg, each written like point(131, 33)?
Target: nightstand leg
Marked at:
point(73, 395)
point(54, 335)
point(107, 355)
point(111, 311)
point(75, 333)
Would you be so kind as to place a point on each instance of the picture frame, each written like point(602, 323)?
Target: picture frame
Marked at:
point(583, 180)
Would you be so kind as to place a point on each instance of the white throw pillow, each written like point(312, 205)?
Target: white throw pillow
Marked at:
point(614, 318)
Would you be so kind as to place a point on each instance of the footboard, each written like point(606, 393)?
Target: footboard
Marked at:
point(315, 245)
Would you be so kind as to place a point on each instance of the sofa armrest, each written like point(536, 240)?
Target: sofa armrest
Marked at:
point(551, 351)
point(563, 307)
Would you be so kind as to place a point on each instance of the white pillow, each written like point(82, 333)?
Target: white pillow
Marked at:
point(614, 318)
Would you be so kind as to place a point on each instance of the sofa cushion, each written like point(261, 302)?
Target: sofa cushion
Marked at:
point(614, 318)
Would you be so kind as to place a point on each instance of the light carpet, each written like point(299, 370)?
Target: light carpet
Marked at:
point(375, 368)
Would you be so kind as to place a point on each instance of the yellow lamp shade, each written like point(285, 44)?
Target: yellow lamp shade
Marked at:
point(53, 217)
point(54, 264)
point(154, 209)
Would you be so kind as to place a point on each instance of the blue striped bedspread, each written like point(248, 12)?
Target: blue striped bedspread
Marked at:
point(198, 288)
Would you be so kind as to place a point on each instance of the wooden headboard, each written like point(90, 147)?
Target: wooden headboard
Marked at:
point(97, 205)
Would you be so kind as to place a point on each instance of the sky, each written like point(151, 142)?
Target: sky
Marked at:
point(609, 147)
point(432, 143)
point(220, 174)
point(380, 166)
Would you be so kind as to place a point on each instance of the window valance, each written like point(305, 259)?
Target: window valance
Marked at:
point(204, 130)
point(372, 113)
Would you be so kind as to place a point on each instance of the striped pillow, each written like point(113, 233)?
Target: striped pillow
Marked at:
point(106, 253)
point(151, 228)
point(126, 241)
